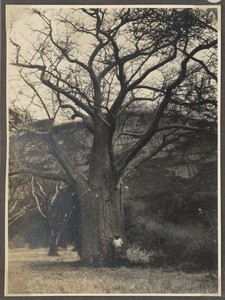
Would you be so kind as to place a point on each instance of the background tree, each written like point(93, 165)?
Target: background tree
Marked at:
point(56, 204)
point(53, 199)
point(103, 66)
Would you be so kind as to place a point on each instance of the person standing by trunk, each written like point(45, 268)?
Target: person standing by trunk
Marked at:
point(117, 246)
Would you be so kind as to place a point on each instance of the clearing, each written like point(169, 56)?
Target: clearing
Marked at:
point(33, 272)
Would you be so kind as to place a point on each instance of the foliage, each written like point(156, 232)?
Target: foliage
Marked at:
point(17, 242)
point(175, 219)
point(185, 247)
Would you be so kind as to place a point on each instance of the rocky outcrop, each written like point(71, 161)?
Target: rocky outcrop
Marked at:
point(185, 171)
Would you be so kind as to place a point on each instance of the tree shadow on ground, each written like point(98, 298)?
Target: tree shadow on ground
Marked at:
point(55, 265)
point(61, 264)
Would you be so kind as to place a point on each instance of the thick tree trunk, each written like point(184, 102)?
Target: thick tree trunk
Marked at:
point(101, 207)
point(53, 240)
point(101, 219)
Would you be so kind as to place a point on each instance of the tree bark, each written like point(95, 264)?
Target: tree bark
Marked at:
point(53, 248)
point(101, 206)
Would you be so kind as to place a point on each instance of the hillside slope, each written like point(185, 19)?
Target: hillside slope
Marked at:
point(171, 205)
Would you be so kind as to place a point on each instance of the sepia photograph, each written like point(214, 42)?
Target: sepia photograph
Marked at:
point(113, 126)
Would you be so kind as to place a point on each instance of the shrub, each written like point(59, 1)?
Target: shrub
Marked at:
point(17, 242)
point(190, 248)
point(186, 247)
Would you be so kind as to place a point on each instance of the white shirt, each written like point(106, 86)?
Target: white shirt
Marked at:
point(117, 243)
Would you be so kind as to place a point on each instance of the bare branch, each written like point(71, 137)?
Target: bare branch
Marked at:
point(195, 103)
point(146, 87)
point(87, 121)
point(205, 68)
point(34, 193)
point(175, 126)
point(18, 215)
point(144, 157)
point(127, 156)
point(41, 174)
point(151, 69)
point(67, 94)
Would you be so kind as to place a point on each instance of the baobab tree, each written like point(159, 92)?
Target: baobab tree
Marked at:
point(105, 66)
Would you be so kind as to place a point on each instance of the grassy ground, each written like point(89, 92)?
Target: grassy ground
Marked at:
point(33, 272)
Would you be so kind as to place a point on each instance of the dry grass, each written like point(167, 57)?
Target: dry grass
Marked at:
point(33, 272)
